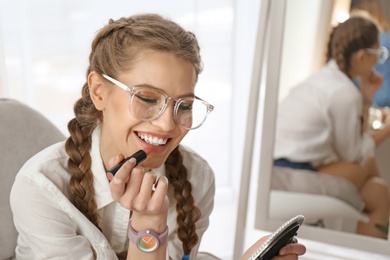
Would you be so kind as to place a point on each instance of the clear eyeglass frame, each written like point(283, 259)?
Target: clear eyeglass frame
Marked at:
point(382, 53)
point(189, 112)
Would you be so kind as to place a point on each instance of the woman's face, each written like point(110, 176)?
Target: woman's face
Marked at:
point(122, 133)
point(366, 61)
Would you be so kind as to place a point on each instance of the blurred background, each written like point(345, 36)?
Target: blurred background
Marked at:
point(44, 48)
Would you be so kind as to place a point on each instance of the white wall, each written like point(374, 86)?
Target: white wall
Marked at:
point(304, 44)
point(308, 24)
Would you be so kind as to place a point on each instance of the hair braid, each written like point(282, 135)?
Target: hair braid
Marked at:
point(77, 147)
point(187, 212)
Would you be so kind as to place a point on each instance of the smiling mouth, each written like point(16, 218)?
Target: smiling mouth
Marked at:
point(153, 140)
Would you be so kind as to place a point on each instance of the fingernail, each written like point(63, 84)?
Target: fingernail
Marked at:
point(165, 179)
point(132, 160)
point(162, 178)
point(109, 176)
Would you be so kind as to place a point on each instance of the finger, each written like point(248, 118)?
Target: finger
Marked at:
point(115, 160)
point(118, 182)
point(376, 77)
point(109, 176)
point(112, 162)
point(286, 257)
point(297, 249)
point(145, 192)
point(133, 187)
point(157, 200)
point(123, 174)
point(254, 247)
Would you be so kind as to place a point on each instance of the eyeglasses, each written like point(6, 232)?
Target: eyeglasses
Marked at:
point(382, 53)
point(147, 104)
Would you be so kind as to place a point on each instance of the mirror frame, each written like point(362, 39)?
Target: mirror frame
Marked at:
point(268, 101)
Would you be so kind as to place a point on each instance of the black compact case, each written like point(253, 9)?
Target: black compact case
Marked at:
point(284, 235)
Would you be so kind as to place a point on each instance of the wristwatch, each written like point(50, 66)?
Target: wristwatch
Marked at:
point(147, 240)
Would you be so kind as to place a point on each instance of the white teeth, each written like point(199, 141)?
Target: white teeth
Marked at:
point(153, 140)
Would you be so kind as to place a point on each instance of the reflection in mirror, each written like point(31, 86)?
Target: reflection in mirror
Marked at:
point(320, 129)
point(332, 206)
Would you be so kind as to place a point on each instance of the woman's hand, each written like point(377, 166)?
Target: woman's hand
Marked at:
point(289, 252)
point(370, 84)
point(142, 193)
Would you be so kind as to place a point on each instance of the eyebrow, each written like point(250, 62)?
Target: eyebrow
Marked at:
point(159, 89)
point(124, 86)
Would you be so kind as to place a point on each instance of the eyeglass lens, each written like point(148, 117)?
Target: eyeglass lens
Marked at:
point(147, 104)
point(383, 54)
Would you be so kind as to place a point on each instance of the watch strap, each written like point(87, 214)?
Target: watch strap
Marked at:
point(134, 235)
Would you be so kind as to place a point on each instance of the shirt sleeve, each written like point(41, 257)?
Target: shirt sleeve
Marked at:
point(45, 230)
point(350, 142)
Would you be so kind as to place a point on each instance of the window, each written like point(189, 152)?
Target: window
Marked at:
point(46, 47)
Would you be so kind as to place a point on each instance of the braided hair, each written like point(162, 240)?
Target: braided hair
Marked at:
point(356, 33)
point(114, 50)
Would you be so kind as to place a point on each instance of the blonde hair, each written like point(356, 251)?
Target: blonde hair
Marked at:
point(114, 50)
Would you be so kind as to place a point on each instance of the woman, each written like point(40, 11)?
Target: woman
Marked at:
point(376, 10)
point(321, 124)
point(139, 95)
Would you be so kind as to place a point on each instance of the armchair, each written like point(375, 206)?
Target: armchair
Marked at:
point(23, 133)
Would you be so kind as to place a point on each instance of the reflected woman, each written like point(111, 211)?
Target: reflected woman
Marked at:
point(376, 10)
point(321, 123)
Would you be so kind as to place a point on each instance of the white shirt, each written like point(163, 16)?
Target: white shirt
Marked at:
point(320, 121)
point(51, 227)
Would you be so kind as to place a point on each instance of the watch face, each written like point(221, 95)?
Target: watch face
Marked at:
point(147, 243)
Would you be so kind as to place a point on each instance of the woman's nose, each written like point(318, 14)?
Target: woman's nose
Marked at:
point(166, 120)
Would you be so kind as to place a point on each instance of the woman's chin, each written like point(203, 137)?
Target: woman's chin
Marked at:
point(153, 163)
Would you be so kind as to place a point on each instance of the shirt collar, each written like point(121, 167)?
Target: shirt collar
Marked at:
point(100, 182)
point(332, 64)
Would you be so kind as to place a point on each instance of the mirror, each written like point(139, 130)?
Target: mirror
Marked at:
point(302, 34)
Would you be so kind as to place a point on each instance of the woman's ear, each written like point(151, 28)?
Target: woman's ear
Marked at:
point(360, 55)
point(97, 90)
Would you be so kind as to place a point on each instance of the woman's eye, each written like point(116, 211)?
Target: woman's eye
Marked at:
point(184, 106)
point(147, 99)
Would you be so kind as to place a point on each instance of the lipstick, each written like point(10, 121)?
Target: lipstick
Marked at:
point(140, 156)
